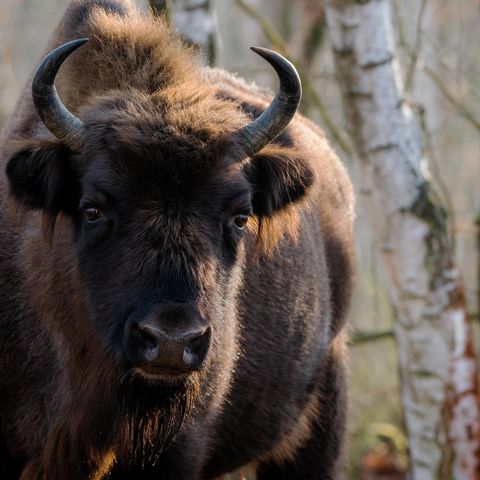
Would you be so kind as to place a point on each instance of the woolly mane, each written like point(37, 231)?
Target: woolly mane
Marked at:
point(127, 50)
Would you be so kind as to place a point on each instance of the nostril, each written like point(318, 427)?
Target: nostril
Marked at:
point(196, 350)
point(144, 339)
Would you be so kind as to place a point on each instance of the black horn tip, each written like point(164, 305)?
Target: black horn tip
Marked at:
point(77, 42)
point(48, 68)
point(278, 115)
point(286, 71)
point(56, 57)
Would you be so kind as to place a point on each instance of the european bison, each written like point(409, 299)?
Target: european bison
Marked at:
point(176, 266)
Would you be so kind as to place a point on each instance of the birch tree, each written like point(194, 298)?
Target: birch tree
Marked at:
point(433, 332)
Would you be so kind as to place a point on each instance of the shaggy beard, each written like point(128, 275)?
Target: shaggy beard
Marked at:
point(153, 415)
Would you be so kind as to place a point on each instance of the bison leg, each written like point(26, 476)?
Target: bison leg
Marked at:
point(321, 454)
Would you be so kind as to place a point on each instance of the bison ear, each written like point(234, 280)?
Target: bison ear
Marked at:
point(42, 177)
point(279, 177)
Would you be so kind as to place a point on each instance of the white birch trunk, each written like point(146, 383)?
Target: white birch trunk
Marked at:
point(433, 333)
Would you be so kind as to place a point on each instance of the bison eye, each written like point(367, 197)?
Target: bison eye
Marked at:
point(92, 215)
point(240, 221)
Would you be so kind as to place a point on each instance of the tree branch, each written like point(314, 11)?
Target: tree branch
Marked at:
point(409, 77)
point(272, 34)
point(461, 109)
point(359, 337)
point(436, 78)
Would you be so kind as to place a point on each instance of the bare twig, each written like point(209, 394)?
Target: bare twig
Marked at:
point(358, 337)
point(410, 75)
point(315, 14)
point(460, 108)
point(400, 24)
point(269, 30)
point(317, 102)
point(434, 76)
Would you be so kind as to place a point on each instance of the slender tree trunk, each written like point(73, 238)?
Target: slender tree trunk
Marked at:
point(433, 332)
point(194, 21)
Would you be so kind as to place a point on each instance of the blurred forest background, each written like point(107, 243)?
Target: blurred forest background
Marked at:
point(438, 44)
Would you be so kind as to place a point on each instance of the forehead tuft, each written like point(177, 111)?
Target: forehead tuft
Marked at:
point(176, 138)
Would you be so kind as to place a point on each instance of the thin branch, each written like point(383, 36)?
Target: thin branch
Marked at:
point(398, 16)
point(325, 116)
point(274, 37)
point(269, 30)
point(359, 337)
point(435, 77)
point(461, 109)
point(313, 41)
point(410, 75)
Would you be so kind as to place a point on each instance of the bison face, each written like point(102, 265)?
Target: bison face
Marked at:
point(161, 227)
point(159, 188)
point(160, 230)
point(159, 253)
point(160, 217)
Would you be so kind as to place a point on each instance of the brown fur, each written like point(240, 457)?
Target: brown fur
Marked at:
point(161, 142)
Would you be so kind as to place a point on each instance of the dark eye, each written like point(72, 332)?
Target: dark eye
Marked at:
point(92, 214)
point(240, 221)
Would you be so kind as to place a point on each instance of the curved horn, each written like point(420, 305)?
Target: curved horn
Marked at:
point(273, 121)
point(56, 117)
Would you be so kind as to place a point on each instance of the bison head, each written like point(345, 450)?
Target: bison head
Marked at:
point(157, 189)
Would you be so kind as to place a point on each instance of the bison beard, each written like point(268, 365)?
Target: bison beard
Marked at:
point(153, 416)
point(132, 427)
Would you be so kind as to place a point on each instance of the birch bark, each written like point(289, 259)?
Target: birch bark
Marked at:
point(433, 332)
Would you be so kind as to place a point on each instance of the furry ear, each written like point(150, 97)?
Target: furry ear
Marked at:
point(41, 177)
point(279, 177)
